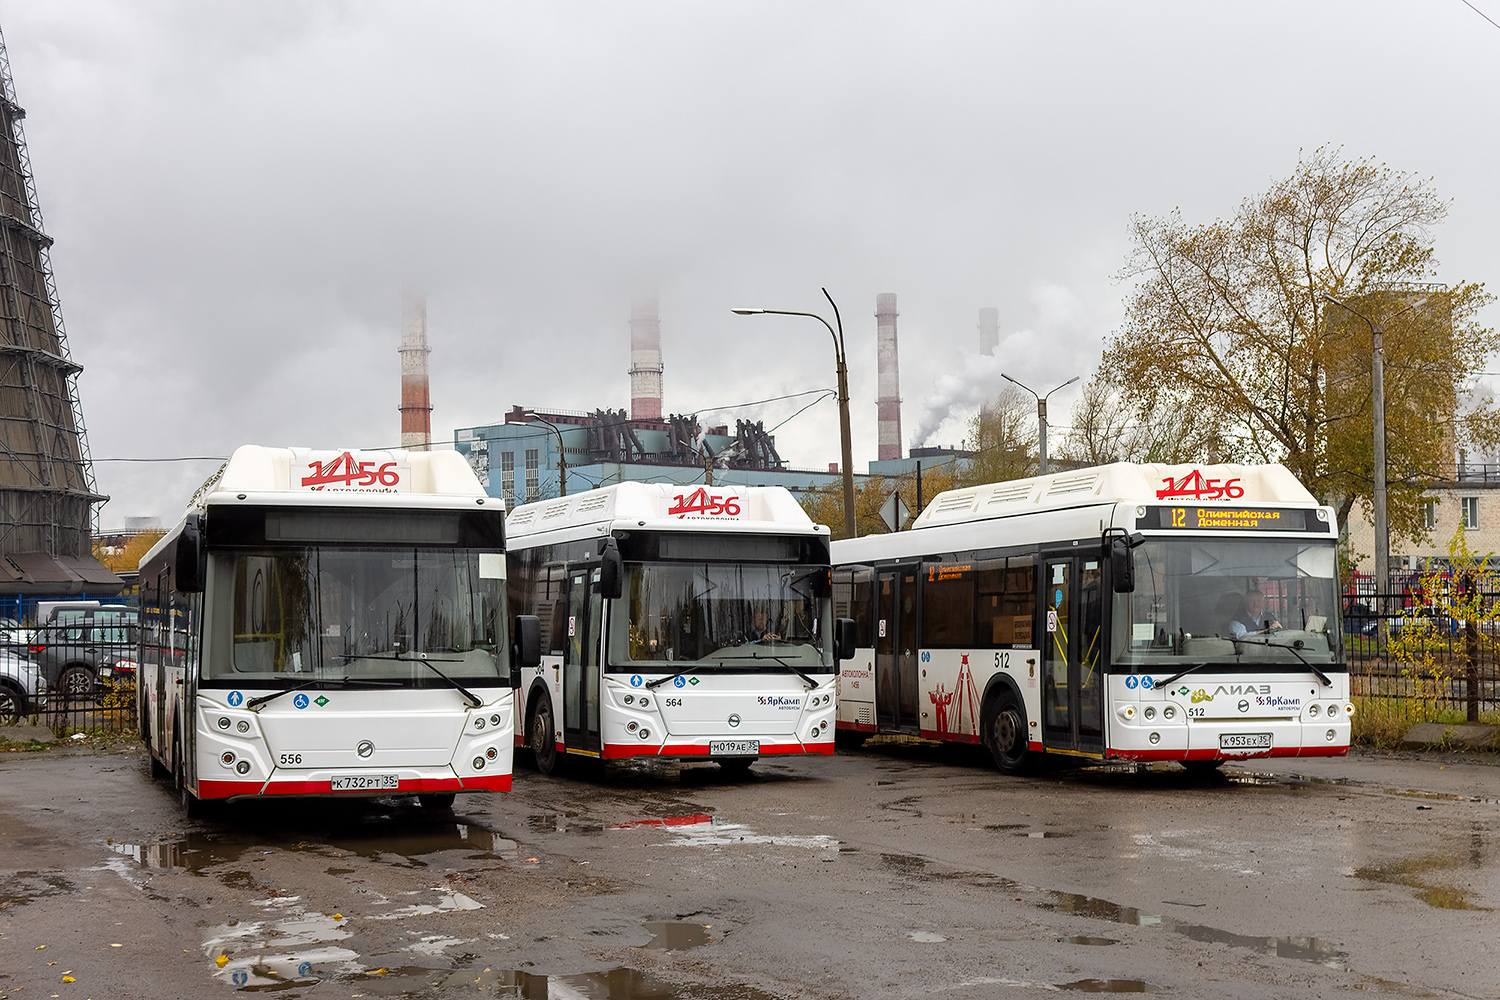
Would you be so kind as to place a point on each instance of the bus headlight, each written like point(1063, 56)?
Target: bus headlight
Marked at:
point(645, 701)
point(495, 720)
point(1170, 712)
point(1331, 735)
point(632, 726)
point(1154, 738)
point(479, 723)
point(492, 753)
point(1149, 713)
point(630, 699)
point(223, 722)
point(1313, 709)
point(479, 763)
point(243, 726)
point(645, 733)
point(227, 758)
point(243, 767)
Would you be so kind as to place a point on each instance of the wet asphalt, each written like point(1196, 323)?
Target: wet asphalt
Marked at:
point(899, 870)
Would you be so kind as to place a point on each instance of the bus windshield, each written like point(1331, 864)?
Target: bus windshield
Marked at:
point(1251, 602)
point(386, 615)
point(722, 615)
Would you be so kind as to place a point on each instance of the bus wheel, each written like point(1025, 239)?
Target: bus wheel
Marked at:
point(437, 801)
point(1005, 735)
point(541, 739)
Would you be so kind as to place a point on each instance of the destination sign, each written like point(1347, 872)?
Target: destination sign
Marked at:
point(1234, 519)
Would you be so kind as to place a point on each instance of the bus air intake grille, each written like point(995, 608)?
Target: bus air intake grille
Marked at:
point(865, 716)
point(594, 503)
point(524, 517)
point(555, 510)
point(954, 503)
point(1073, 484)
point(1009, 494)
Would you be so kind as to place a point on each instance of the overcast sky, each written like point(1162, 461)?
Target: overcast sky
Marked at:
point(239, 191)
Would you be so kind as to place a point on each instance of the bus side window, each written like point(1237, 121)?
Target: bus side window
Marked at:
point(948, 606)
point(853, 597)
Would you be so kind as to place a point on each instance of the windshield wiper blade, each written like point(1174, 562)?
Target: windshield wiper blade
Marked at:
point(1179, 676)
point(254, 704)
point(473, 699)
point(1327, 682)
point(653, 685)
point(811, 683)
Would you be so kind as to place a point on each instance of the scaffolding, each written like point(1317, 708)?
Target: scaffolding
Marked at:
point(48, 495)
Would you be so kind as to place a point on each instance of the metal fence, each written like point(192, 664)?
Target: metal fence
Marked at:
point(69, 677)
point(1405, 646)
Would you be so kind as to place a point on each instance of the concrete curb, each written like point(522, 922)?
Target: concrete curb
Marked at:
point(27, 734)
point(1425, 735)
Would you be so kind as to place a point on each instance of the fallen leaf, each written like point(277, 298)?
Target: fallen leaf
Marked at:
point(40, 947)
point(69, 979)
point(222, 961)
point(117, 946)
point(338, 916)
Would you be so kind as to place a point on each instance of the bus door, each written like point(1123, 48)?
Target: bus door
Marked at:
point(1072, 655)
point(581, 661)
point(896, 649)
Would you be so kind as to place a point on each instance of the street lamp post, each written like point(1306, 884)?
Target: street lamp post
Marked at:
point(1377, 394)
point(562, 452)
point(1041, 419)
point(843, 396)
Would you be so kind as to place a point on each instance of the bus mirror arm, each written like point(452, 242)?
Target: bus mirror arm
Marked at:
point(188, 564)
point(1118, 546)
point(527, 652)
point(843, 640)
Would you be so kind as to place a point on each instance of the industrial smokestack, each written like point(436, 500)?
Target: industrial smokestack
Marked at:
point(888, 402)
point(989, 330)
point(645, 360)
point(416, 404)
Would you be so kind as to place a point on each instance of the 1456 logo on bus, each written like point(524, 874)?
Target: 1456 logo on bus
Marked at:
point(1194, 485)
point(700, 501)
point(346, 471)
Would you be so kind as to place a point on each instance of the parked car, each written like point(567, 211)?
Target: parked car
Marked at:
point(74, 650)
point(22, 691)
point(1427, 619)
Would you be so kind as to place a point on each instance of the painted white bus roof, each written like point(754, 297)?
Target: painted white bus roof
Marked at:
point(258, 475)
point(763, 509)
point(1071, 505)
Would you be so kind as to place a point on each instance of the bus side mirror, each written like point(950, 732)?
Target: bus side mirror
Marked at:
point(187, 569)
point(1118, 545)
point(611, 569)
point(527, 654)
point(843, 640)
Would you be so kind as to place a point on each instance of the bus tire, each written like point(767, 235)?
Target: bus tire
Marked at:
point(1005, 734)
point(540, 736)
point(437, 801)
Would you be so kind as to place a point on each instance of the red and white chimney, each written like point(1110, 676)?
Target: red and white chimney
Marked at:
point(416, 404)
point(645, 360)
point(888, 399)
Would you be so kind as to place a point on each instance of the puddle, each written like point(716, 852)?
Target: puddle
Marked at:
point(693, 819)
point(1307, 949)
point(1007, 826)
point(925, 937)
point(22, 887)
point(1412, 873)
point(1110, 986)
point(400, 846)
point(677, 935)
point(715, 833)
point(562, 823)
point(1044, 834)
point(1077, 939)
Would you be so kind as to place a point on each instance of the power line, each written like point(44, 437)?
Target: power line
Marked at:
point(1480, 12)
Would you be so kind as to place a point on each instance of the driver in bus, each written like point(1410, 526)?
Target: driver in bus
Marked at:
point(1249, 621)
point(759, 630)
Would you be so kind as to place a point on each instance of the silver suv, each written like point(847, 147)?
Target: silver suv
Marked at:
point(22, 692)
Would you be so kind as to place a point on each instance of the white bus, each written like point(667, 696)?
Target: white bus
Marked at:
point(682, 622)
point(1107, 613)
point(331, 623)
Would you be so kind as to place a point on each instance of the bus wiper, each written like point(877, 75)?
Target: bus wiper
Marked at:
point(653, 685)
point(469, 696)
point(1295, 652)
point(1179, 676)
point(792, 667)
point(254, 704)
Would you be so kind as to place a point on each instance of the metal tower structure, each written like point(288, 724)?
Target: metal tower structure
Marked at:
point(416, 399)
point(47, 489)
point(888, 379)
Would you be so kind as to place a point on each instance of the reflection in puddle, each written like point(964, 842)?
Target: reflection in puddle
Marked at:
point(676, 935)
point(1044, 834)
point(1110, 986)
point(1079, 939)
point(195, 852)
point(694, 819)
point(1308, 949)
point(926, 937)
point(714, 833)
point(1412, 873)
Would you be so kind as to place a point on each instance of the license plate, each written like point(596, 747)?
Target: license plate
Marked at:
point(364, 782)
point(1245, 741)
point(733, 748)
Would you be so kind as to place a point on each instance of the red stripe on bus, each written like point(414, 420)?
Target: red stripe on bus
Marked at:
point(858, 727)
point(474, 783)
point(614, 751)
